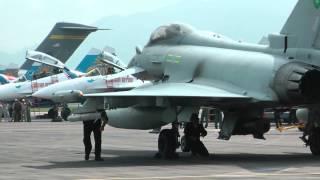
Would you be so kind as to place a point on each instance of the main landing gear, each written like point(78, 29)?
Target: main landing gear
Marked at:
point(168, 142)
point(65, 112)
point(311, 130)
point(312, 139)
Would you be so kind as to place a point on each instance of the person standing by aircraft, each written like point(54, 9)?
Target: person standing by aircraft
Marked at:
point(10, 110)
point(96, 127)
point(17, 108)
point(27, 114)
point(6, 114)
point(1, 111)
point(277, 118)
point(193, 131)
point(23, 110)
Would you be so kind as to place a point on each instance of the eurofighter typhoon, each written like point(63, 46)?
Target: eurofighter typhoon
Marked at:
point(190, 68)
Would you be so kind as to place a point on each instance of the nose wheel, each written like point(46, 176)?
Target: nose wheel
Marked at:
point(167, 144)
point(65, 112)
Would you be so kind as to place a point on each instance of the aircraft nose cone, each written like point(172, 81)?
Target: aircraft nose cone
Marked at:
point(42, 94)
point(2, 93)
point(8, 92)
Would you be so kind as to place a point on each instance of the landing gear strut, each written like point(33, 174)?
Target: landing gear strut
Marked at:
point(311, 131)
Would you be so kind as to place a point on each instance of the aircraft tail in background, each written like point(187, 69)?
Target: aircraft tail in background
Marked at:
point(60, 43)
point(89, 60)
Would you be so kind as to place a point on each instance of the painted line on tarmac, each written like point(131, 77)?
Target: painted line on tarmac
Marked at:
point(249, 175)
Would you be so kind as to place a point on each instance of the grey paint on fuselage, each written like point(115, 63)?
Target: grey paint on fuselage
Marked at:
point(217, 65)
point(199, 57)
point(239, 78)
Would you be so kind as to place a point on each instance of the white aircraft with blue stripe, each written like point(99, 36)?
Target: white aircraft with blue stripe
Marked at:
point(17, 90)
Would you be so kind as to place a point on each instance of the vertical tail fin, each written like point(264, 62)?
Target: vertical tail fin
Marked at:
point(61, 42)
point(34, 68)
point(88, 61)
point(302, 27)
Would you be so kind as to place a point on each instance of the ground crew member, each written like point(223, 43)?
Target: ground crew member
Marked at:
point(23, 110)
point(27, 113)
point(193, 131)
point(6, 113)
point(96, 127)
point(17, 108)
point(292, 117)
point(217, 118)
point(1, 111)
point(10, 109)
point(277, 118)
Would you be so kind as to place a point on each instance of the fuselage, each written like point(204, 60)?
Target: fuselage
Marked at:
point(17, 90)
point(182, 54)
point(248, 75)
point(72, 90)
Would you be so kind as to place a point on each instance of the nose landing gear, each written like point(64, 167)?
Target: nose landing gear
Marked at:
point(168, 142)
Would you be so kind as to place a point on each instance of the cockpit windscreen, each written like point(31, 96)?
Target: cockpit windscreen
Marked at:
point(168, 32)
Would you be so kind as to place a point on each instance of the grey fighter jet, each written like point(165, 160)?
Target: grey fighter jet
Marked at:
point(192, 68)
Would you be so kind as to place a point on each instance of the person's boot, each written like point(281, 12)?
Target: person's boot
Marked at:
point(86, 157)
point(98, 159)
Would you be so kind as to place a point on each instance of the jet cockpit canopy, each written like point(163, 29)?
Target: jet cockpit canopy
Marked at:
point(170, 31)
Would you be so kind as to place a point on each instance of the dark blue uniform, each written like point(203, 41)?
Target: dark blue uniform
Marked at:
point(192, 132)
point(95, 127)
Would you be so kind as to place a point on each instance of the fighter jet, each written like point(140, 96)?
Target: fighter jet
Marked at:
point(190, 68)
point(17, 90)
point(5, 79)
point(60, 43)
point(72, 91)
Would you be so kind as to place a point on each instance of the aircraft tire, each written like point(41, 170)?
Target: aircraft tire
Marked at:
point(167, 144)
point(314, 141)
point(50, 113)
point(65, 113)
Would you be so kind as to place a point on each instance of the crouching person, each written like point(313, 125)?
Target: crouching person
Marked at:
point(192, 131)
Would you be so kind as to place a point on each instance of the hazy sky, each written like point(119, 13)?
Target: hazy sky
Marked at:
point(25, 23)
